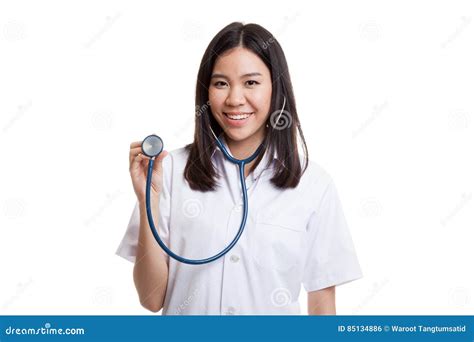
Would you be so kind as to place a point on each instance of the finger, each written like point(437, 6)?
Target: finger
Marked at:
point(135, 144)
point(133, 152)
point(137, 161)
point(160, 157)
point(138, 151)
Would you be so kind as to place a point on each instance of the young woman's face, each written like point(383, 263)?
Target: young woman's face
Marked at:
point(240, 94)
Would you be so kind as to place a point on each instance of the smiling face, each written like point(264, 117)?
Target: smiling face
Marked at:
point(240, 96)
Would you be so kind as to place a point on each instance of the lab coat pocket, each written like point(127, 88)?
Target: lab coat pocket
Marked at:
point(277, 242)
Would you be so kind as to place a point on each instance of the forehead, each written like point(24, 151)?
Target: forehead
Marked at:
point(239, 61)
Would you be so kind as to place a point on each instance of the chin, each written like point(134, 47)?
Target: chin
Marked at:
point(239, 135)
point(236, 136)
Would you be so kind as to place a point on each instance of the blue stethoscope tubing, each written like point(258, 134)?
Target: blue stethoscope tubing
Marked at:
point(241, 163)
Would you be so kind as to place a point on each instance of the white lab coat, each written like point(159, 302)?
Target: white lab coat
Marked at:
point(292, 237)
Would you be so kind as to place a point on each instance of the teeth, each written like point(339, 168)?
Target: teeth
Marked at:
point(238, 116)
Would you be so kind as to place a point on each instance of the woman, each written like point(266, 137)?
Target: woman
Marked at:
point(295, 232)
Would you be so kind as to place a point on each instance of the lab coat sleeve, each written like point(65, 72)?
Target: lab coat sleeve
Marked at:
point(128, 246)
point(330, 254)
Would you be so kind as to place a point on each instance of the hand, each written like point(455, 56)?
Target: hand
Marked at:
point(139, 170)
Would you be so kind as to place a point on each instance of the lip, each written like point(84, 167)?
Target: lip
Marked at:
point(236, 113)
point(237, 123)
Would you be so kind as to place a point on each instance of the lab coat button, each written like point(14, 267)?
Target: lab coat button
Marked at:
point(234, 258)
point(238, 208)
point(230, 310)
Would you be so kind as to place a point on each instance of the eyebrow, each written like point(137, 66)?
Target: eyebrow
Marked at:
point(246, 75)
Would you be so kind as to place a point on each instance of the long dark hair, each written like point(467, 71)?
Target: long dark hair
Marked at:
point(282, 125)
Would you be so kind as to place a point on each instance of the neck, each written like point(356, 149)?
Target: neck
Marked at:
point(243, 149)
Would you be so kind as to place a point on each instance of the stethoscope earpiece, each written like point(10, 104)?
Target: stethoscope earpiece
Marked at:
point(152, 146)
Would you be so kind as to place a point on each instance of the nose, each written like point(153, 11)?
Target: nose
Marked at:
point(235, 97)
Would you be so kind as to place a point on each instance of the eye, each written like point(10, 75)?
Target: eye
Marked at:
point(251, 83)
point(220, 84)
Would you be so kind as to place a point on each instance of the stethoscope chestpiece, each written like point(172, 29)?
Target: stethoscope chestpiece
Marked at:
point(152, 146)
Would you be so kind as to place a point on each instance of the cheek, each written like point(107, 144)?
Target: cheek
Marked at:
point(216, 99)
point(261, 100)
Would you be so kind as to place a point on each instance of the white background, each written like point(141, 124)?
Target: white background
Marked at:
point(384, 91)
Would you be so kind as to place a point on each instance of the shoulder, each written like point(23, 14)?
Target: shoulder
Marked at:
point(315, 176)
point(176, 159)
point(316, 184)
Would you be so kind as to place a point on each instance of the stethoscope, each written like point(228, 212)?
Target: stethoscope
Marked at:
point(152, 146)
